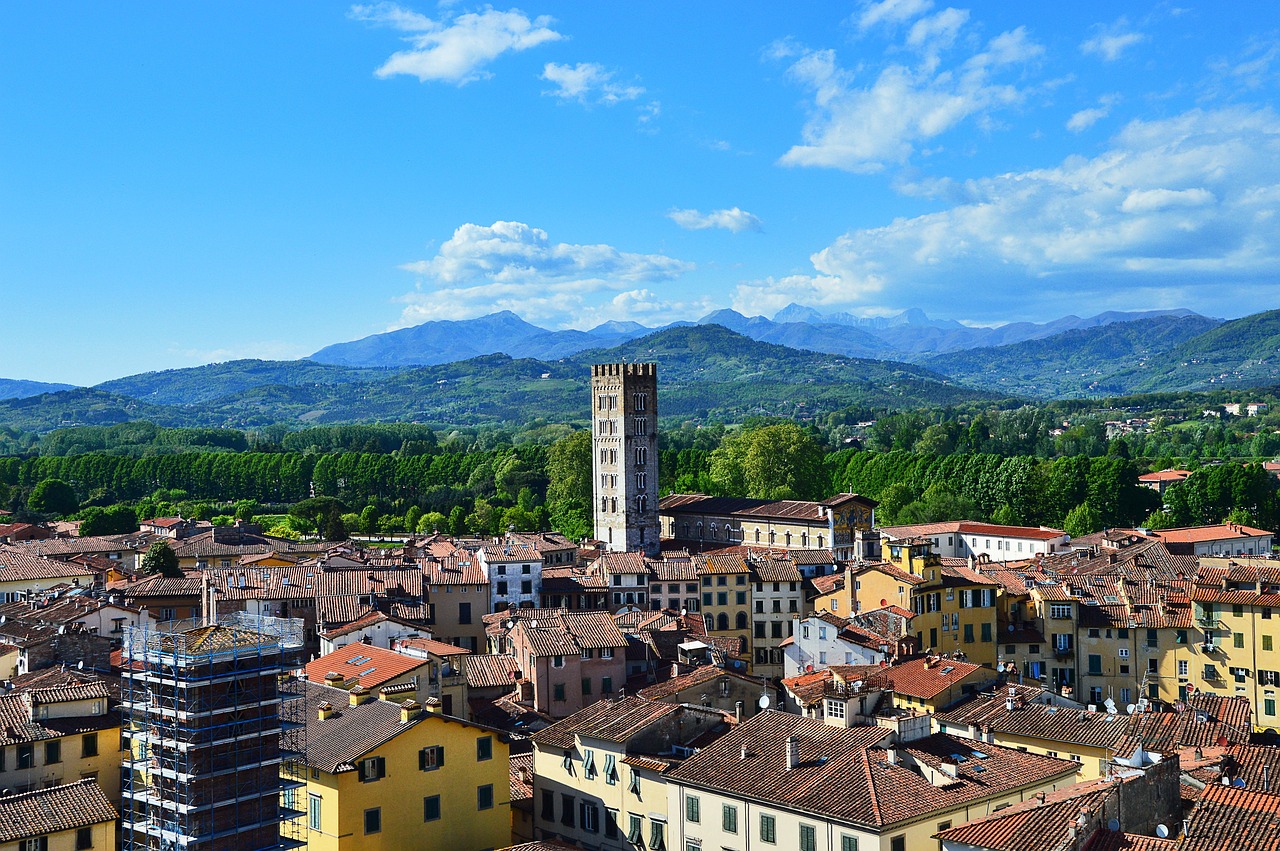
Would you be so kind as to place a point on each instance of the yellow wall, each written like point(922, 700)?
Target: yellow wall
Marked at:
point(72, 767)
point(104, 839)
point(461, 826)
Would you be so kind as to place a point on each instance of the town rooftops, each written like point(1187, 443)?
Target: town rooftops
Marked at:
point(843, 774)
point(929, 676)
point(613, 720)
point(491, 670)
point(699, 675)
point(1165, 476)
point(52, 810)
point(1032, 823)
point(362, 664)
point(22, 565)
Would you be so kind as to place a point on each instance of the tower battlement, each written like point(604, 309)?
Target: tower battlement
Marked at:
point(624, 455)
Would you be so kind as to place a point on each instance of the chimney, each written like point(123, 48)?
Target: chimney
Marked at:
point(359, 696)
point(891, 756)
point(432, 705)
point(1040, 799)
point(948, 767)
point(326, 711)
point(793, 752)
point(737, 711)
point(743, 754)
point(333, 678)
point(410, 710)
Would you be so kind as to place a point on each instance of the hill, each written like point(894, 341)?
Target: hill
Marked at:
point(1244, 352)
point(1088, 362)
point(16, 388)
point(705, 371)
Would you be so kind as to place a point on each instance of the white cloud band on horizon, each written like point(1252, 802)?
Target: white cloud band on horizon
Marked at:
point(512, 266)
point(1172, 209)
point(455, 49)
point(733, 219)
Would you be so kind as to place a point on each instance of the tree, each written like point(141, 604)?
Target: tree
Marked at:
point(334, 529)
point(369, 520)
point(779, 461)
point(1084, 519)
point(569, 493)
point(411, 517)
point(113, 520)
point(432, 522)
point(161, 559)
point(53, 496)
point(1160, 519)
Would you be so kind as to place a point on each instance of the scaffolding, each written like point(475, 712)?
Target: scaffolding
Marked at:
point(213, 719)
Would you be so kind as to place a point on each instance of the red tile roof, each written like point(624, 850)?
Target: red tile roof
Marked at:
point(363, 664)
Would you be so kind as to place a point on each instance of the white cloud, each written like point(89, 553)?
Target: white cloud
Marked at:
point(456, 48)
point(1178, 210)
point(1110, 40)
point(587, 82)
point(1086, 118)
point(646, 307)
point(512, 266)
point(891, 12)
point(865, 127)
point(733, 219)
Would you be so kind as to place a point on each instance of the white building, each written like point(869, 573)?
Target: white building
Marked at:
point(825, 639)
point(514, 570)
point(965, 538)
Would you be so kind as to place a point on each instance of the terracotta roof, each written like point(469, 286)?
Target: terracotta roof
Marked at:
point(435, 648)
point(1165, 476)
point(1199, 534)
point(613, 720)
point(828, 583)
point(491, 671)
point(774, 570)
point(521, 777)
point(843, 775)
point(1030, 824)
point(1112, 840)
point(785, 509)
point(363, 664)
point(335, 743)
point(1231, 819)
point(54, 809)
point(20, 565)
point(699, 675)
point(622, 563)
point(914, 679)
point(461, 569)
point(721, 564)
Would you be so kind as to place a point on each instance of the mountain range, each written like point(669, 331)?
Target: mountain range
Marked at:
point(726, 366)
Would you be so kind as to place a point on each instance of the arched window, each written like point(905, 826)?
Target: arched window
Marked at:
point(788, 539)
point(757, 535)
point(641, 503)
point(715, 532)
point(722, 621)
point(741, 620)
point(819, 542)
point(772, 536)
point(710, 622)
point(804, 539)
point(613, 504)
point(604, 503)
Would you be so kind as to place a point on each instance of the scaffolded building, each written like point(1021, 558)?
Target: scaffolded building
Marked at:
point(213, 716)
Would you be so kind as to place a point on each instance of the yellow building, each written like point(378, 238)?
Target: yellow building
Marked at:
point(59, 729)
point(599, 775)
point(1236, 643)
point(726, 595)
point(70, 817)
point(956, 613)
point(841, 524)
point(396, 777)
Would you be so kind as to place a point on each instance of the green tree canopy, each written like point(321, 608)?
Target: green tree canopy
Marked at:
point(569, 491)
point(53, 496)
point(1084, 519)
point(161, 559)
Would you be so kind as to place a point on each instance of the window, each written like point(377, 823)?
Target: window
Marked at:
point(986, 631)
point(768, 828)
point(373, 820)
point(1060, 610)
point(835, 709)
point(586, 685)
point(691, 809)
point(484, 797)
point(1237, 640)
point(1124, 652)
point(1095, 664)
point(373, 768)
point(808, 838)
point(848, 843)
point(313, 811)
point(464, 613)
point(557, 661)
point(53, 752)
point(431, 807)
point(606, 652)
point(566, 810)
point(1237, 611)
point(968, 633)
point(557, 691)
point(484, 748)
point(635, 829)
point(590, 816)
point(898, 843)
point(1269, 706)
point(89, 744)
point(1266, 642)
point(429, 759)
point(730, 819)
point(548, 805)
point(634, 786)
point(589, 764)
point(606, 685)
point(610, 823)
point(1183, 667)
point(84, 838)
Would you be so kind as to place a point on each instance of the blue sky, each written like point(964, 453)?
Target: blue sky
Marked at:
point(195, 182)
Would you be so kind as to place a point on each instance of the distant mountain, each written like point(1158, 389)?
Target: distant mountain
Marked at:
point(15, 388)
point(821, 337)
point(445, 341)
point(1083, 362)
point(704, 370)
point(1244, 352)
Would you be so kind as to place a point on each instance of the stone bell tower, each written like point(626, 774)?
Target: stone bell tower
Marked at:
point(624, 455)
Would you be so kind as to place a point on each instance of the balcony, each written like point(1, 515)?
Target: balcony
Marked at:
point(1064, 652)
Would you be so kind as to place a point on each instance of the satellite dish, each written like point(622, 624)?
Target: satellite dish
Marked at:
point(1010, 627)
point(883, 601)
point(510, 623)
point(1131, 708)
point(684, 612)
point(857, 686)
point(1113, 825)
point(1226, 781)
point(1162, 831)
point(80, 665)
point(808, 669)
point(533, 624)
point(763, 702)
